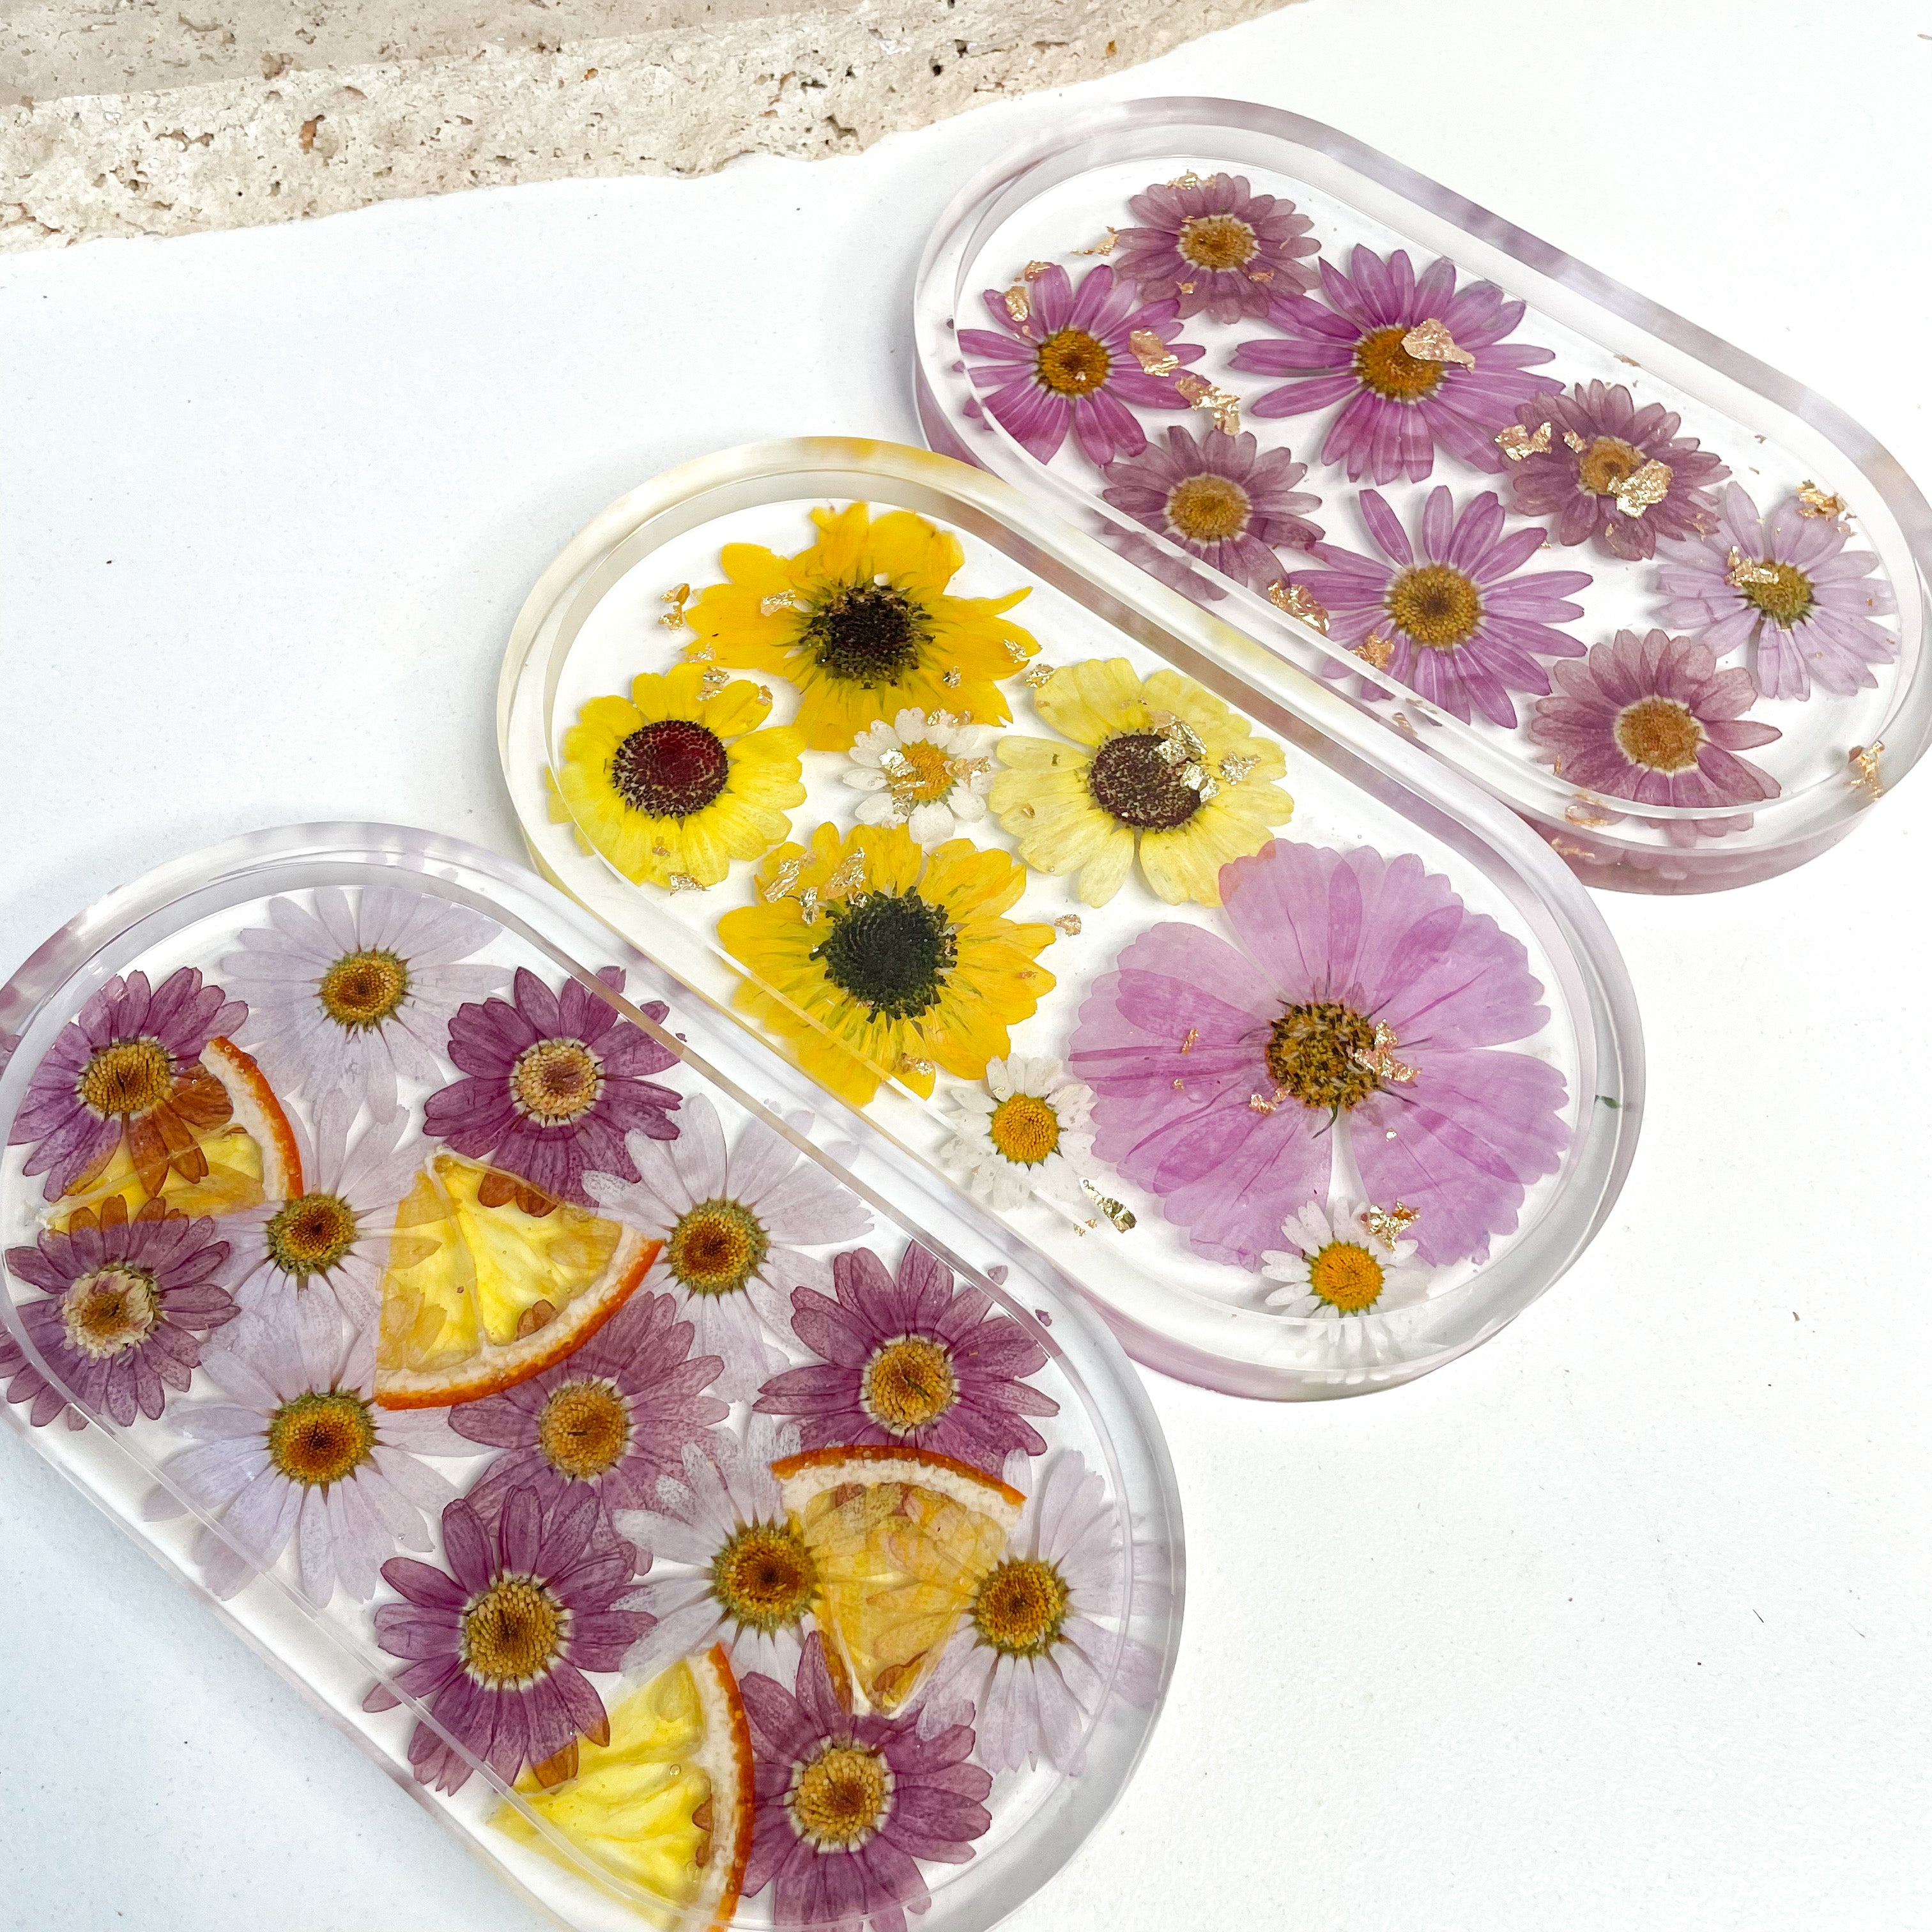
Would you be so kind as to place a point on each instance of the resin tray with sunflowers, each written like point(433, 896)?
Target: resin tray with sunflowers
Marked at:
point(1657, 598)
point(688, 1513)
point(1310, 1070)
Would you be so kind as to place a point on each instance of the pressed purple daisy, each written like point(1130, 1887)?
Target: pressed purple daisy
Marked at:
point(1220, 498)
point(914, 1362)
point(1454, 623)
point(553, 1083)
point(846, 1805)
point(498, 1644)
point(1360, 997)
point(607, 1421)
point(127, 1303)
point(1788, 583)
point(1215, 246)
point(1417, 364)
point(128, 1068)
point(1605, 469)
point(1075, 358)
point(1653, 719)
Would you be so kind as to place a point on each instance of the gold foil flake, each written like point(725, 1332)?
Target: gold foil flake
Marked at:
point(1018, 307)
point(1190, 179)
point(808, 905)
point(1257, 1105)
point(1299, 601)
point(1122, 1217)
point(1402, 721)
point(1034, 270)
point(949, 677)
point(682, 882)
point(1375, 649)
point(846, 878)
point(1016, 653)
point(1186, 288)
point(660, 851)
point(1740, 571)
point(1516, 443)
point(1378, 1057)
point(677, 599)
point(1188, 1039)
point(1571, 440)
point(1814, 502)
point(780, 884)
point(1223, 405)
point(702, 652)
point(1430, 341)
point(1105, 246)
point(1864, 766)
point(765, 694)
point(1179, 741)
point(1386, 1224)
point(1237, 765)
point(1583, 812)
point(1642, 487)
point(1035, 675)
point(919, 1069)
point(1069, 923)
point(1630, 362)
point(1565, 849)
point(782, 600)
point(1151, 350)
point(1264, 276)
point(715, 679)
point(1180, 1085)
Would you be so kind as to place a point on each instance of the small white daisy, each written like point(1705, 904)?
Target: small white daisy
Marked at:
point(1340, 1266)
point(929, 773)
point(1026, 1131)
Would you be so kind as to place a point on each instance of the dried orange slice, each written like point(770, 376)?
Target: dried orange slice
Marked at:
point(901, 1539)
point(480, 1294)
point(667, 1803)
point(247, 1155)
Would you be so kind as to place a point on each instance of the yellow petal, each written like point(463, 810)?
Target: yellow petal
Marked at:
point(1093, 700)
point(1101, 877)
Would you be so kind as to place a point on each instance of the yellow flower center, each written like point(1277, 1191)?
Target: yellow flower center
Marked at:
point(319, 1437)
point(1021, 1607)
point(1435, 606)
point(128, 1078)
point(1660, 734)
point(1315, 1052)
point(110, 1311)
point(839, 1799)
point(1217, 241)
point(1135, 779)
point(1382, 364)
point(310, 1234)
point(1787, 598)
point(1345, 1276)
point(1024, 1129)
point(1208, 509)
point(1071, 362)
point(716, 1247)
point(556, 1080)
point(361, 990)
point(584, 1430)
point(512, 1633)
point(908, 1383)
point(922, 774)
point(764, 1577)
point(1606, 464)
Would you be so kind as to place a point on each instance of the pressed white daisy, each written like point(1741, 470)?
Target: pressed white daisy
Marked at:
point(1025, 1131)
point(727, 1566)
point(732, 1225)
point(347, 998)
point(1341, 1267)
point(1029, 1656)
point(300, 1453)
point(928, 772)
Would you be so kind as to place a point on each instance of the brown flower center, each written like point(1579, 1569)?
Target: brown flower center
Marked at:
point(553, 1081)
point(866, 634)
point(1435, 606)
point(512, 1632)
point(671, 768)
point(310, 1234)
point(1660, 734)
point(1021, 1607)
point(1134, 779)
point(1024, 1129)
point(321, 1437)
point(840, 1798)
point(111, 1310)
point(1071, 362)
point(1382, 364)
point(1217, 241)
point(584, 1430)
point(1606, 464)
point(1208, 509)
point(1786, 599)
point(908, 1383)
point(1316, 1051)
point(1345, 1276)
point(716, 1247)
point(129, 1077)
point(763, 1576)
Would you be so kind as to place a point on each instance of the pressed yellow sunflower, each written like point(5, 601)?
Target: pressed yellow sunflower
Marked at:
point(1162, 764)
point(878, 960)
point(862, 624)
point(674, 783)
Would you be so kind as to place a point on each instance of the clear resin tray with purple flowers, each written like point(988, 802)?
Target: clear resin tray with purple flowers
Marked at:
point(1664, 602)
point(1152, 942)
point(704, 1516)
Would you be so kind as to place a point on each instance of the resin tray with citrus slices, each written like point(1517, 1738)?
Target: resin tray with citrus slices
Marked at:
point(712, 1523)
point(1304, 1060)
point(1666, 603)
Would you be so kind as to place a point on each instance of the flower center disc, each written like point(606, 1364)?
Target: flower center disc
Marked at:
point(361, 990)
point(110, 1311)
point(841, 1798)
point(310, 1234)
point(866, 634)
point(1435, 606)
point(716, 1247)
point(556, 1080)
point(922, 774)
point(1660, 734)
point(764, 1576)
point(129, 1077)
point(890, 951)
point(1021, 1607)
point(1786, 601)
point(512, 1633)
point(321, 1437)
point(1208, 508)
point(1217, 241)
point(1382, 364)
point(671, 768)
point(908, 1383)
point(584, 1430)
point(1312, 1052)
point(1346, 1276)
point(1024, 1129)
point(1071, 362)
point(1608, 462)
point(1132, 781)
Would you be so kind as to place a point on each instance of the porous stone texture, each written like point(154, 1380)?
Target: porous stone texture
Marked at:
point(159, 117)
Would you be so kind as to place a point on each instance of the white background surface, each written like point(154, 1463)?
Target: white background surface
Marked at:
point(1622, 1621)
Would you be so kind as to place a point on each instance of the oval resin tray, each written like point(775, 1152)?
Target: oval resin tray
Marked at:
point(1661, 601)
point(656, 1476)
point(1299, 1055)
